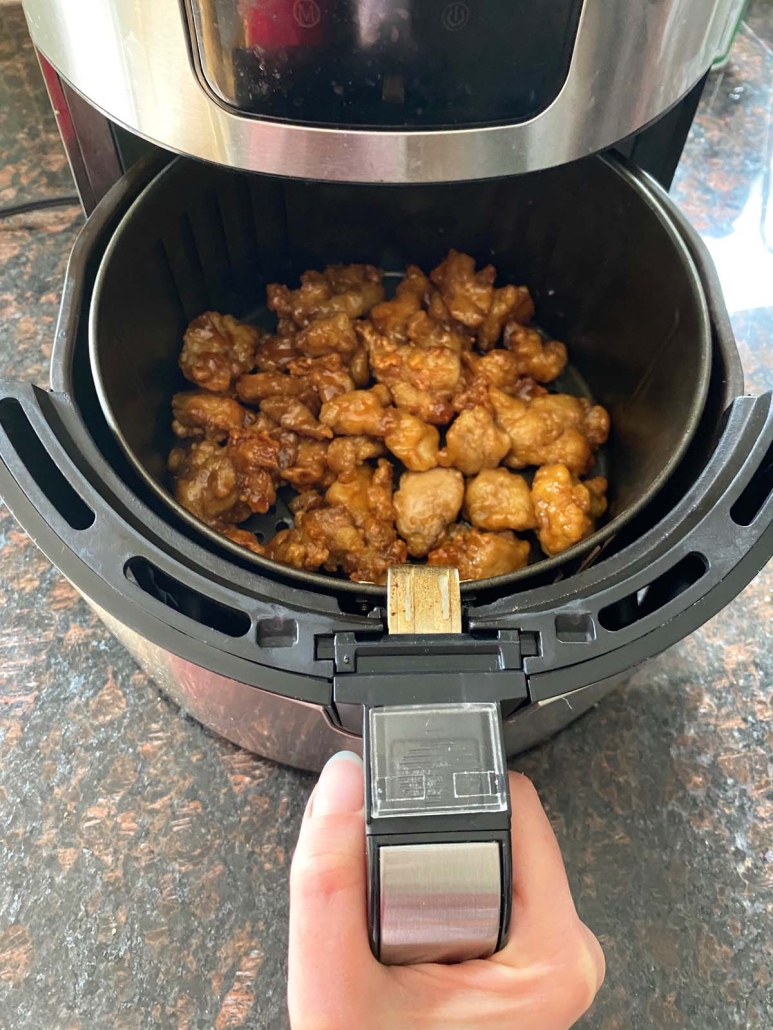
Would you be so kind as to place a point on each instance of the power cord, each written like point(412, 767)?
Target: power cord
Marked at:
point(10, 210)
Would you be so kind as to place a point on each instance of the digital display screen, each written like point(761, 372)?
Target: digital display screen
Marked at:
point(386, 63)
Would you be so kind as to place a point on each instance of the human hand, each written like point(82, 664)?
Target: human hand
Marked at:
point(544, 979)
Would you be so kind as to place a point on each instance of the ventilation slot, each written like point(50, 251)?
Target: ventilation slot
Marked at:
point(185, 600)
point(277, 632)
point(655, 595)
point(40, 465)
point(755, 493)
point(575, 628)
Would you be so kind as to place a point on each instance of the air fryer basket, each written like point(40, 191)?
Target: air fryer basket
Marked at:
point(610, 275)
point(273, 663)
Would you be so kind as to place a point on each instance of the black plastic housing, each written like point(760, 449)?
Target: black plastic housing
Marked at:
point(704, 536)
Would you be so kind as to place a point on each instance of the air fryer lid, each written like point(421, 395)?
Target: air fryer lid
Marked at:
point(610, 275)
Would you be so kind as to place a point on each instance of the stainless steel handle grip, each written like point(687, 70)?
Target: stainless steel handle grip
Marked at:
point(439, 902)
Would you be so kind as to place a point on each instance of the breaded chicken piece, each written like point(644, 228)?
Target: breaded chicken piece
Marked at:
point(425, 331)
point(351, 290)
point(390, 317)
point(359, 413)
point(497, 368)
point(565, 508)
point(497, 499)
point(421, 379)
point(550, 429)
point(310, 468)
point(216, 350)
point(479, 555)
point(308, 500)
point(225, 483)
point(328, 537)
point(366, 493)
point(255, 388)
point(206, 483)
point(411, 440)
point(274, 353)
point(426, 504)
point(242, 537)
point(467, 294)
point(474, 442)
point(291, 413)
point(347, 452)
point(543, 360)
point(327, 376)
point(331, 334)
point(510, 303)
point(200, 415)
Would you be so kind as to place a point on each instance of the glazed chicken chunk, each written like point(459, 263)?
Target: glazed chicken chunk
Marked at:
point(413, 442)
point(216, 350)
point(421, 379)
point(310, 468)
point(274, 353)
point(503, 369)
point(242, 537)
point(425, 331)
point(390, 317)
point(351, 290)
point(258, 458)
point(255, 388)
point(498, 369)
point(291, 413)
point(366, 494)
point(497, 499)
point(474, 442)
point(201, 415)
point(359, 413)
point(550, 429)
point(331, 334)
point(543, 360)
point(206, 482)
point(227, 482)
point(510, 303)
point(328, 537)
point(426, 504)
point(480, 555)
point(467, 294)
point(345, 453)
point(565, 508)
point(327, 375)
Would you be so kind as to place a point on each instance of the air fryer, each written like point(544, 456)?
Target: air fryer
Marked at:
point(339, 99)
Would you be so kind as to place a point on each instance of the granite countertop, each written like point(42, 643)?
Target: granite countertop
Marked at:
point(144, 862)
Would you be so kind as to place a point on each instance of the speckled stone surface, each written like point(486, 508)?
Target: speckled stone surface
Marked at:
point(143, 862)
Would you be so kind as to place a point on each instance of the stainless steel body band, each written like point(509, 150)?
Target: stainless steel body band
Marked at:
point(134, 60)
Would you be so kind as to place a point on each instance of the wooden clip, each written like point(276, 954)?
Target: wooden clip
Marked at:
point(423, 599)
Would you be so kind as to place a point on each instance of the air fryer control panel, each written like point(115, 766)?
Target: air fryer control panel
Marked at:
point(385, 63)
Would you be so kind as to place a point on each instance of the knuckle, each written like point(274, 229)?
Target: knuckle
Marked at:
point(323, 875)
point(582, 972)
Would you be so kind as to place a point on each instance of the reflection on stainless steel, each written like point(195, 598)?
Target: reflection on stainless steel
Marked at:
point(296, 732)
point(537, 722)
point(631, 61)
point(439, 902)
point(283, 729)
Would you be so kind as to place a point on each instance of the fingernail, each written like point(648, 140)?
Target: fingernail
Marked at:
point(340, 789)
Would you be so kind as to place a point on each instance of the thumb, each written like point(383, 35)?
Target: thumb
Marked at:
point(328, 919)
